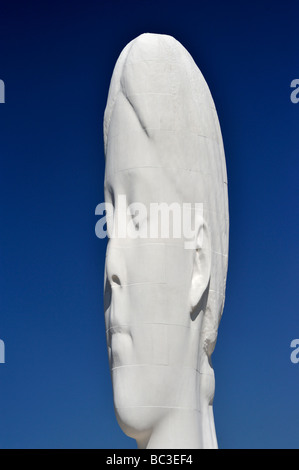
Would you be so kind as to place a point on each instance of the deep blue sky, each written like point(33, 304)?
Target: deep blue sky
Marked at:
point(56, 59)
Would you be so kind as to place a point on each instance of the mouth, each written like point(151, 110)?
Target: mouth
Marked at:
point(120, 345)
point(117, 330)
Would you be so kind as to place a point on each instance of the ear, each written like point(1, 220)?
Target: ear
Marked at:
point(201, 274)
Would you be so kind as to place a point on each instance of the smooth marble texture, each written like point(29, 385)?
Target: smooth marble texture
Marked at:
point(163, 302)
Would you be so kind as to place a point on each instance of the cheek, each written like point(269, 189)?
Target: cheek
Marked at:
point(150, 343)
point(164, 345)
point(159, 323)
point(144, 302)
point(155, 303)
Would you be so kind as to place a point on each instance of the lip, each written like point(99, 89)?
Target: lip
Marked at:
point(121, 330)
point(120, 341)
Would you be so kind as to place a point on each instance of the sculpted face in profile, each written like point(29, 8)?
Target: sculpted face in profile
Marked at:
point(164, 298)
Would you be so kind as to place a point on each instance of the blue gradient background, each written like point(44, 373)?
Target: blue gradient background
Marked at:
point(56, 59)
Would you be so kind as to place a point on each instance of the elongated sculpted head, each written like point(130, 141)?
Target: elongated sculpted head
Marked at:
point(166, 260)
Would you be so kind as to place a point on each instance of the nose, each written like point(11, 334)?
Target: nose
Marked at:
point(113, 265)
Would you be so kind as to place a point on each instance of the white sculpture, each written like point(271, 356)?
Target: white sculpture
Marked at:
point(163, 301)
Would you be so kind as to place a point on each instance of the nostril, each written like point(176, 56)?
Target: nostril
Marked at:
point(115, 279)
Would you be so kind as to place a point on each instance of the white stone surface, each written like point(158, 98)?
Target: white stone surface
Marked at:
point(163, 302)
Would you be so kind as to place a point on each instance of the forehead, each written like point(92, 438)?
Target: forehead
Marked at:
point(162, 137)
point(148, 154)
point(161, 123)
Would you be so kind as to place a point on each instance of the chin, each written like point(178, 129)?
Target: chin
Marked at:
point(136, 412)
point(138, 422)
point(134, 422)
